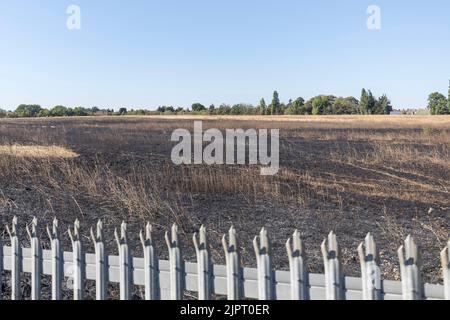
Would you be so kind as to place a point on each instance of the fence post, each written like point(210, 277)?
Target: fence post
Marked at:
point(150, 264)
point(126, 267)
point(78, 264)
point(57, 260)
point(176, 264)
point(264, 264)
point(101, 266)
point(233, 262)
point(334, 280)
point(370, 271)
point(445, 260)
point(298, 267)
point(410, 270)
point(16, 260)
point(36, 260)
point(203, 264)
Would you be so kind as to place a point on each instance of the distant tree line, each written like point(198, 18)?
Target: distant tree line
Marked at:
point(35, 110)
point(368, 104)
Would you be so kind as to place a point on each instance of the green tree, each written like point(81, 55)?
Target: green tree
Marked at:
point(321, 104)
point(237, 109)
point(80, 112)
point(347, 105)
point(59, 111)
point(363, 102)
point(299, 106)
point(198, 107)
point(44, 113)
point(276, 105)
point(28, 110)
point(383, 105)
point(296, 107)
point(308, 107)
point(170, 109)
point(263, 107)
point(438, 104)
point(123, 111)
point(224, 109)
point(367, 103)
point(242, 109)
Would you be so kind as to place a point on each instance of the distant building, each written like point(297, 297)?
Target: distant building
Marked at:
point(410, 112)
point(396, 113)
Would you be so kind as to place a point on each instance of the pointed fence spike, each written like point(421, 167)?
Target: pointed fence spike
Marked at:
point(264, 239)
point(233, 264)
point(93, 237)
point(151, 262)
point(16, 260)
point(32, 232)
point(203, 236)
point(78, 273)
point(412, 286)
point(266, 287)
point(256, 246)
point(297, 267)
point(224, 244)
point(176, 264)
point(361, 254)
point(125, 261)
point(100, 230)
point(371, 247)
point(101, 262)
point(116, 236)
point(175, 234)
point(334, 279)
point(370, 271)
point(57, 260)
point(195, 241)
point(142, 238)
point(123, 231)
point(168, 241)
point(297, 242)
point(149, 233)
point(204, 268)
point(233, 237)
point(36, 260)
point(332, 243)
point(324, 250)
point(289, 248)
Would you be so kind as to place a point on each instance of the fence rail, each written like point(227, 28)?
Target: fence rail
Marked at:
point(170, 279)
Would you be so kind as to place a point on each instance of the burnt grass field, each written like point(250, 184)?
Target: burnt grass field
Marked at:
point(352, 175)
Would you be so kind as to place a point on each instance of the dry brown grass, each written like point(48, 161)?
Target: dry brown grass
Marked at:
point(37, 151)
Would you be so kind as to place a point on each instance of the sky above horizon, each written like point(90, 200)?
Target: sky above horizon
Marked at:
point(143, 54)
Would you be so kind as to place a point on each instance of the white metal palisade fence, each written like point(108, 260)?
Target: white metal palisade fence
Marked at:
point(169, 279)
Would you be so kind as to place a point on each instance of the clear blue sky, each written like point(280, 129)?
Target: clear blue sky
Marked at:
point(147, 53)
